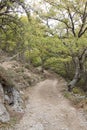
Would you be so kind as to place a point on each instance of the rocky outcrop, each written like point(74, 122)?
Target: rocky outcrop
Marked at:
point(9, 96)
point(14, 78)
point(18, 102)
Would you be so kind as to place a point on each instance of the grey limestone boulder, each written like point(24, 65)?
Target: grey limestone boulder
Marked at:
point(18, 102)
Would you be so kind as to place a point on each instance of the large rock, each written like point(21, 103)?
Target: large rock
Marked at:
point(1, 94)
point(18, 102)
point(4, 115)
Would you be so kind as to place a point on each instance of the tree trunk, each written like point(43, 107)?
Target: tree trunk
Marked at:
point(80, 70)
point(77, 75)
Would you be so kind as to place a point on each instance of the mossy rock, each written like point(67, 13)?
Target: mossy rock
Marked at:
point(77, 90)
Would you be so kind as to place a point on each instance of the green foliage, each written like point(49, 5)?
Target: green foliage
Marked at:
point(67, 95)
point(52, 47)
point(78, 91)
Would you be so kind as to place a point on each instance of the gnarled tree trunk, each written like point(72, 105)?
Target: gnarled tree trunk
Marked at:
point(80, 70)
point(77, 75)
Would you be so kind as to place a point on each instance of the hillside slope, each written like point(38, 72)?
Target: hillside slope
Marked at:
point(15, 78)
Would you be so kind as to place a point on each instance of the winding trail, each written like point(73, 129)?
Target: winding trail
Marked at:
point(48, 109)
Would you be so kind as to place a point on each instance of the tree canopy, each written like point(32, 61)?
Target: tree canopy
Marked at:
point(52, 35)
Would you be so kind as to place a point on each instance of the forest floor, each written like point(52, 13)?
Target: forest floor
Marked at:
point(48, 109)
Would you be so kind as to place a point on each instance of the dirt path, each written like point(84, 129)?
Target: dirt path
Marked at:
point(47, 109)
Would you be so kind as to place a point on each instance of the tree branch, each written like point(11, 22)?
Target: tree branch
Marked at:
point(84, 17)
point(72, 22)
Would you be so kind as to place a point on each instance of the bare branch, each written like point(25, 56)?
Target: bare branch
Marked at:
point(84, 17)
point(72, 22)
